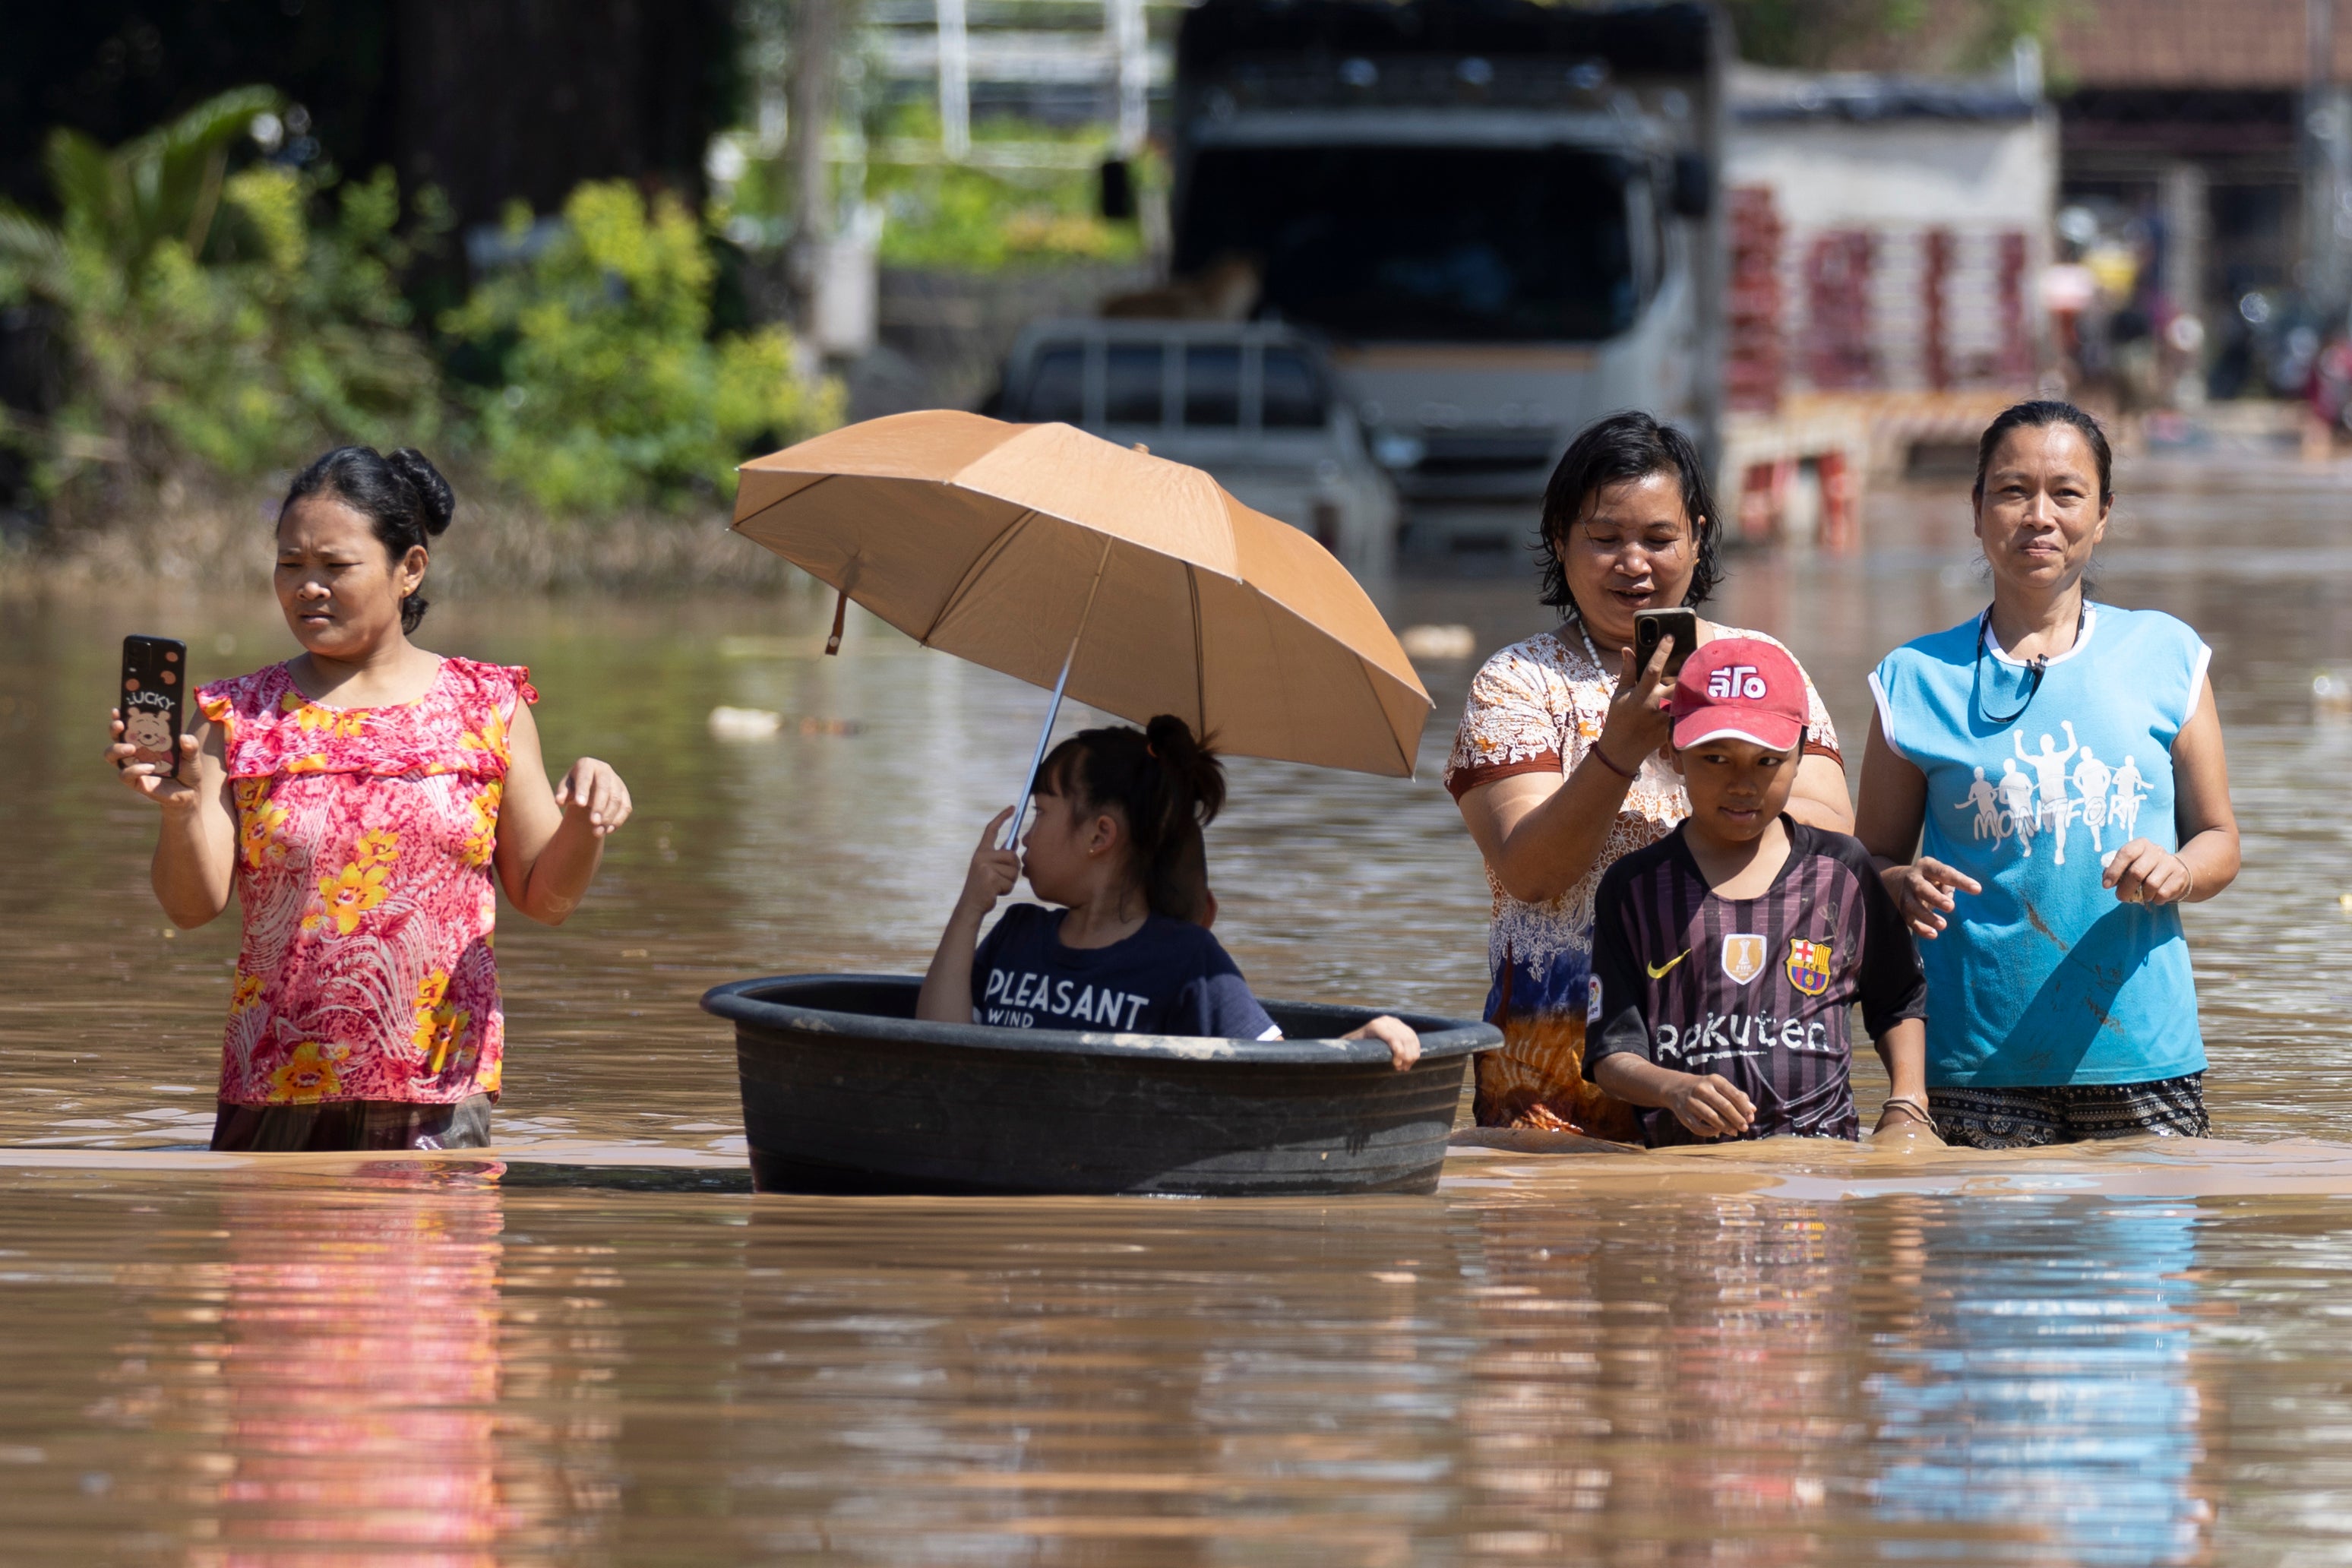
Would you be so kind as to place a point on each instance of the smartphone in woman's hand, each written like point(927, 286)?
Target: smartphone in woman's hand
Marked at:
point(153, 695)
point(1652, 627)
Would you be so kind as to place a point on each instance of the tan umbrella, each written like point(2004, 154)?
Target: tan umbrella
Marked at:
point(1136, 583)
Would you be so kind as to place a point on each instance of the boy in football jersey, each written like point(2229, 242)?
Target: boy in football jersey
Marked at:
point(1725, 955)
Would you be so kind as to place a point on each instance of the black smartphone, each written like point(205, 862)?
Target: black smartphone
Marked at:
point(154, 697)
point(1652, 627)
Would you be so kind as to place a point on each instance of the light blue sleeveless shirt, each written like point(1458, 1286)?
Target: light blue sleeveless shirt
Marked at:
point(2045, 978)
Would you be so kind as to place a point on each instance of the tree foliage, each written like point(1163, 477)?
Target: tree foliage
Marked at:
point(1926, 36)
point(229, 321)
point(609, 390)
point(208, 316)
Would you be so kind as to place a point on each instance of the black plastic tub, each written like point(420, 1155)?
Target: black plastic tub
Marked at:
point(845, 1091)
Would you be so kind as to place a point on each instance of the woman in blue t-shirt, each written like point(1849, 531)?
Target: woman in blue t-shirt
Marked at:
point(2057, 766)
point(1116, 842)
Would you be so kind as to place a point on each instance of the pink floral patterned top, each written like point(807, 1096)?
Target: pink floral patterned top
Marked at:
point(364, 839)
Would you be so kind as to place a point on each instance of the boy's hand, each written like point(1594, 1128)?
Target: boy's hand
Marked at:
point(1923, 892)
point(993, 872)
point(1710, 1106)
point(1404, 1046)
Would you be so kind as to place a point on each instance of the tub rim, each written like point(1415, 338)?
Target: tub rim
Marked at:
point(748, 1002)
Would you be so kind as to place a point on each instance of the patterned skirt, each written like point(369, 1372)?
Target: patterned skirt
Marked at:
point(1535, 1078)
point(340, 1125)
point(2070, 1113)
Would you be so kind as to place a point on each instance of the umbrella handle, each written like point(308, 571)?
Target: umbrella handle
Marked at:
point(1029, 784)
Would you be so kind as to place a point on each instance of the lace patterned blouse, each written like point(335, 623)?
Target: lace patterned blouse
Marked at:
point(365, 842)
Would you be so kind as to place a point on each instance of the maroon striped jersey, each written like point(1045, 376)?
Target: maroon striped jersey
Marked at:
point(1753, 989)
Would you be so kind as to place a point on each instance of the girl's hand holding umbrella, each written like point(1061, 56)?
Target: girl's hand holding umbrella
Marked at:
point(994, 871)
point(947, 984)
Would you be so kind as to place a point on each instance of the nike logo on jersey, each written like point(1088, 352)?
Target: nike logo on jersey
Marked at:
point(1657, 970)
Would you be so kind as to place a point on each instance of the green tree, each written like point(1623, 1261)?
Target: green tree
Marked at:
point(209, 319)
point(610, 390)
point(1892, 35)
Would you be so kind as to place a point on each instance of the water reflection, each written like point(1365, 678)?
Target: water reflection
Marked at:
point(1666, 1377)
point(2053, 1382)
point(349, 1379)
point(1202, 1387)
point(441, 1369)
point(359, 1372)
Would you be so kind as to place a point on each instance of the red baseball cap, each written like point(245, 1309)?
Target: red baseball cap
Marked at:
point(1741, 687)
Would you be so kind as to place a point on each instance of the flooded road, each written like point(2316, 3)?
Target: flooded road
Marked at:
point(602, 1350)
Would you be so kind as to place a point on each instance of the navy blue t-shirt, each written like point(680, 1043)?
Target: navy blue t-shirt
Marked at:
point(1170, 978)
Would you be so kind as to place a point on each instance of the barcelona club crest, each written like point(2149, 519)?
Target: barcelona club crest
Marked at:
point(1809, 966)
point(1743, 956)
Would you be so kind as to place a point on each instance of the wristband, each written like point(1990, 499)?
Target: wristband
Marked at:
point(1907, 1103)
point(1609, 762)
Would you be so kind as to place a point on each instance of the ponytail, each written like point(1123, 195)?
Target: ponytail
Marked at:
point(1165, 783)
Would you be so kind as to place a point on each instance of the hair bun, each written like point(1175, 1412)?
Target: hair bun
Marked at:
point(440, 502)
point(1190, 762)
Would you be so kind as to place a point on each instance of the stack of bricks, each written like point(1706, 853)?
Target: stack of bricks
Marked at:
point(1755, 368)
point(1840, 351)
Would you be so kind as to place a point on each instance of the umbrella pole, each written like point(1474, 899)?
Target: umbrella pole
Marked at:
point(1054, 709)
point(1029, 784)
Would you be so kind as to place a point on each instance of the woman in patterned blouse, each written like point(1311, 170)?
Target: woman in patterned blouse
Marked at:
point(1555, 767)
point(361, 799)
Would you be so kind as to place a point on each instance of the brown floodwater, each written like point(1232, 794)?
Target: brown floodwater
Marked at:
point(598, 1346)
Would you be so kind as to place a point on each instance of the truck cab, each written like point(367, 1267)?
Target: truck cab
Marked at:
point(1499, 213)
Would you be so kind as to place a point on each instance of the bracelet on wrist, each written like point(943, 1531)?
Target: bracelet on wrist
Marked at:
point(1907, 1103)
point(1611, 763)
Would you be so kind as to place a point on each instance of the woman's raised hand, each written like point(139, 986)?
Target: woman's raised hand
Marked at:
point(1637, 724)
point(1922, 891)
point(992, 871)
point(166, 789)
point(594, 787)
point(2141, 873)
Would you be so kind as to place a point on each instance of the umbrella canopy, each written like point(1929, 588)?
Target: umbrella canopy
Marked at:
point(1006, 544)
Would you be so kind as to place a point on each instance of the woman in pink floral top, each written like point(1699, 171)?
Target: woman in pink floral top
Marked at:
point(1555, 767)
point(359, 799)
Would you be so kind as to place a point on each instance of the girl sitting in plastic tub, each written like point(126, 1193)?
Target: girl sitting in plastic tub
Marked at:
point(1116, 842)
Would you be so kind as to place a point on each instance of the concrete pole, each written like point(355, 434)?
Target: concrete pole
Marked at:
point(2183, 190)
point(1130, 44)
point(955, 81)
point(816, 43)
point(2326, 226)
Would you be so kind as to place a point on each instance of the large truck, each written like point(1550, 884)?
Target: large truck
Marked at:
point(1501, 214)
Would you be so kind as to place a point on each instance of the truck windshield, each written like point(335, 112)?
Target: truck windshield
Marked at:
point(1419, 243)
